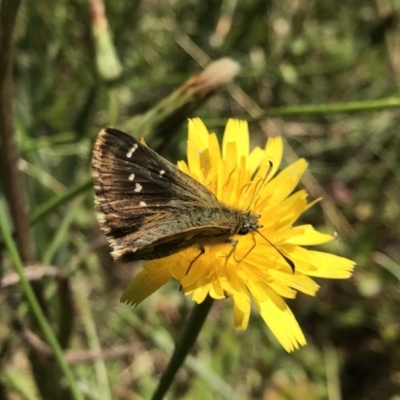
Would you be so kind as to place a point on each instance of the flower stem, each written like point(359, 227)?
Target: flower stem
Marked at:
point(189, 336)
point(333, 108)
point(319, 109)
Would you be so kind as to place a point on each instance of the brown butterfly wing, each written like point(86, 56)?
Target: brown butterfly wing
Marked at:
point(147, 207)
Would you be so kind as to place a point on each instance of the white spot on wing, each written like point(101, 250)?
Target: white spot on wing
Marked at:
point(132, 150)
point(142, 204)
point(162, 172)
point(138, 188)
point(131, 177)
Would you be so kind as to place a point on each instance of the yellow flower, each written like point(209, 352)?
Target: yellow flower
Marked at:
point(258, 269)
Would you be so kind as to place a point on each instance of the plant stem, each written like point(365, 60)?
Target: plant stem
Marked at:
point(318, 109)
point(36, 309)
point(193, 327)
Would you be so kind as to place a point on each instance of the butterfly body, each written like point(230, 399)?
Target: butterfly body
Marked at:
point(150, 209)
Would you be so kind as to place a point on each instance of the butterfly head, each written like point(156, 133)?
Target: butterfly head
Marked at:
point(248, 223)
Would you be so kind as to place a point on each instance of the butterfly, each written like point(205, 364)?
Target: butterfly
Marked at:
point(149, 209)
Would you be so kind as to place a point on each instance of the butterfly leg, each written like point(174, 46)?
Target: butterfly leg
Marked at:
point(202, 251)
point(249, 251)
point(234, 244)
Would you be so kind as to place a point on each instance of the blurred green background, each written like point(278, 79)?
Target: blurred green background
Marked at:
point(71, 79)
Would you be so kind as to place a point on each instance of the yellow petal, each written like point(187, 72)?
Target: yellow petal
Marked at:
point(297, 281)
point(200, 294)
point(282, 322)
point(215, 159)
point(306, 235)
point(271, 161)
point(216, 289)
point(284, 213)
point(198, 134)
point(197, 143)
point(241, 310)
point(231, 156)
point(284, 183)
point(320, 264)
point(274, 153)
point(331, 266)
point(183, 167)
point(145, 283)
point(237, 132)
point(255, 158)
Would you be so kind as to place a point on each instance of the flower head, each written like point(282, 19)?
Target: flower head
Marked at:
point(259, 266)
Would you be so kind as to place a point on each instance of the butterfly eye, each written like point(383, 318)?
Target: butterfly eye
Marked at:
point(243, 230)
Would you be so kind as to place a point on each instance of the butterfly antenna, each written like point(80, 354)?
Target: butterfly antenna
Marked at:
point(287, 259)
point(261, 186)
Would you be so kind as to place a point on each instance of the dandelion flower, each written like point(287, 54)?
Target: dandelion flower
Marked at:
point(259, 269)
